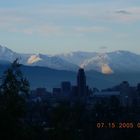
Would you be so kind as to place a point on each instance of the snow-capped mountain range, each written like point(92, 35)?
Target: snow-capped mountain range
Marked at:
point(107, 63)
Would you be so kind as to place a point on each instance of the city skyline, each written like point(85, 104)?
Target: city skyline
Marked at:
point(52, 27)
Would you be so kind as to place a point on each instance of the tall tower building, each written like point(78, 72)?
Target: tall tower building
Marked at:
point(66, 87)
point(81, 83)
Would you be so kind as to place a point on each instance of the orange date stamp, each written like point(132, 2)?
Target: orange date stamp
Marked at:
point(120, 125)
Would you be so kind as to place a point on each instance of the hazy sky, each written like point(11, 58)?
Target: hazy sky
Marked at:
point(57, 26)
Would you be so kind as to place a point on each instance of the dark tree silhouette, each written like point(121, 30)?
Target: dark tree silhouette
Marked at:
point(13, 89)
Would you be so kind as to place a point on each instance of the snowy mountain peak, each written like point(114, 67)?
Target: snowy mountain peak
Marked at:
point(4, 50)
point(106, 69)
point(33, 59)
point(106, 63)
point(7, 54)
point(98, 62)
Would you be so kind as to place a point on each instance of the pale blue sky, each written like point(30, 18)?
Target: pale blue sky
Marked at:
point(58, 26)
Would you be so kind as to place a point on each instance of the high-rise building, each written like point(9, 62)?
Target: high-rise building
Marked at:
point(81, 83)
point(125, 94)
point(66, 87)
point(56, 91)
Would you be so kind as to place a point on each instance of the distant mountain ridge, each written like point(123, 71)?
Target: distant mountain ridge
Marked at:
point(51, 78)
point(106, 63)
point(36, 60)
point(49, 71)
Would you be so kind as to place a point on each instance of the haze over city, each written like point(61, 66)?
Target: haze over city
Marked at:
point(59, 26)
